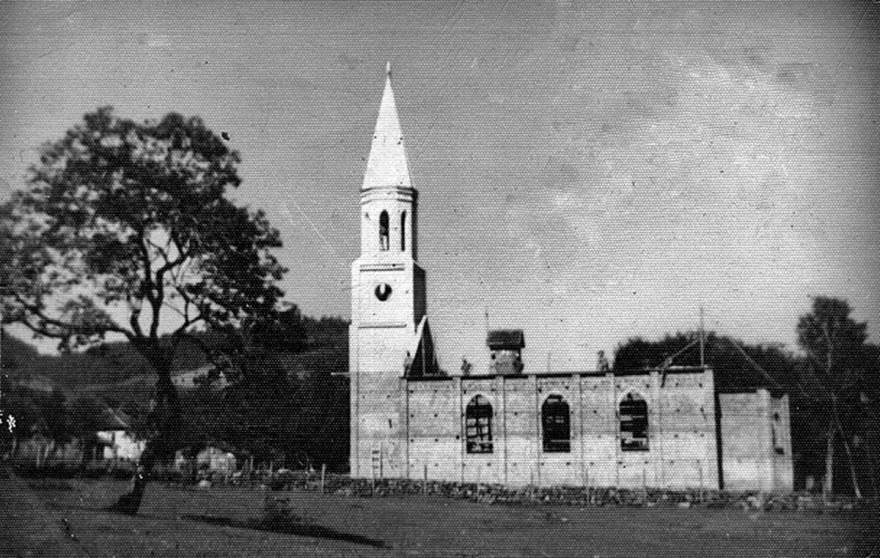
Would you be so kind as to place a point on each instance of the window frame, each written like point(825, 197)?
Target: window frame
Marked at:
point(634, 422)
point(556, 409)
point(384, 231)
point(478, 417)
point(403, 231)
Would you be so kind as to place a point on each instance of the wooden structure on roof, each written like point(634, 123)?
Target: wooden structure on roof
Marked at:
point(506, 351)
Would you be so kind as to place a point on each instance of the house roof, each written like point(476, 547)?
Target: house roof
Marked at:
point(112, 420)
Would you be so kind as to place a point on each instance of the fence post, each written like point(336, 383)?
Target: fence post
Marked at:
point(323, 473)
point(425, 481)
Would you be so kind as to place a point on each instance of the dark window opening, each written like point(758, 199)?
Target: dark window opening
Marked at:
point(556, 423)
point(383, 231)
point(478, 425)
point(777, 443)
point(633, 423)
point(403, 232)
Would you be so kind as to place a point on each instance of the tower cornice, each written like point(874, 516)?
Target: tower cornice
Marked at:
point(406, 195)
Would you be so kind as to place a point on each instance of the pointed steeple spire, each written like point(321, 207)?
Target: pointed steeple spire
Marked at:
point(386, 166)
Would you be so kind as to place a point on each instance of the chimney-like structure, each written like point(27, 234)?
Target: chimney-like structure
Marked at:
point(506, 351)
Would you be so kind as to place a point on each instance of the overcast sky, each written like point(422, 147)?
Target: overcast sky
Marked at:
point(587, 173)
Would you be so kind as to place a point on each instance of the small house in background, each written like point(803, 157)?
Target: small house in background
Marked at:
point(116, 439)
point(216, 457)
point(216, 460)
point(190, 379)
point(506, 347)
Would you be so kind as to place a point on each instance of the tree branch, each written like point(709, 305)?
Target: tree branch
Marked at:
point(160, 273)
point(70, 328)
point(134, 317)
point(214, 357)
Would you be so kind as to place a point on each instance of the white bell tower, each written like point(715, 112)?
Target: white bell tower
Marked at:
point(387, 301)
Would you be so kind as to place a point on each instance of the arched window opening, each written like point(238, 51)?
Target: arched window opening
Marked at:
point(383, 231)
point(478, 425)
point(556, 423)
point(633, 423)
point(403, 232)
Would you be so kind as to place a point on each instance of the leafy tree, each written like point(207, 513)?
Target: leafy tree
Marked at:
point(265, 410)
point(253, 414)
point(86, 416)
point(284, 332)
point(283, 403)
point(736, 364)
point(126, 230)
point(252, 345)
point(840, 372)
point(35, 412)
point(24, 405)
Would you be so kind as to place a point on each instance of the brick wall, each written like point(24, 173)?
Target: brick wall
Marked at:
point(756, 442)
point(680, 454)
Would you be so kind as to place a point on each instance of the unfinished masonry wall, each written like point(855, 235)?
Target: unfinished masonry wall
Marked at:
point(756, 442)
point(681, 449)
point(377, 424)
point(783, 464)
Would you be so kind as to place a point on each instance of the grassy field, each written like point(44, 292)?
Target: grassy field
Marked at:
point(220, 522)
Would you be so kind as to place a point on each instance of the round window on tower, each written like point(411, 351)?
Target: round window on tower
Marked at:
point(383, 291)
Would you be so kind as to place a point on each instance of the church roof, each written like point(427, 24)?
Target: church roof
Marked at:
point(386, 166)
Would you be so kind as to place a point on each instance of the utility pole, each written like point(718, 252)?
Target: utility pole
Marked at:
point(486, 315)
point(702, 341)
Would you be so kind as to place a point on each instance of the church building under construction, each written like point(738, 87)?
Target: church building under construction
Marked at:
point(664, 428)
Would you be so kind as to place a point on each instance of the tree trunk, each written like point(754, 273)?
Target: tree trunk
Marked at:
point(165, 421)
point(852, 469)
point(130, 503)
point(84, 456)
point(828, 484)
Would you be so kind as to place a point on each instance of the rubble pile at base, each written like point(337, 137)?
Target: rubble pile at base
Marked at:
point(572, 496)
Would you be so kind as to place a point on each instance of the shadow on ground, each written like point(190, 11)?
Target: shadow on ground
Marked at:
point(291, 527)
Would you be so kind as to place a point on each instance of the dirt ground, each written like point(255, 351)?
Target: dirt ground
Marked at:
point(66, 518)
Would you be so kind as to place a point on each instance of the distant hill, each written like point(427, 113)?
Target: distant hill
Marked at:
point(117, 368)
point(109, 363)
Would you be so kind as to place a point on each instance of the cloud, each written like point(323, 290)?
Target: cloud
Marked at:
point(154, 40)
point(712, 197)
point(349, 61)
